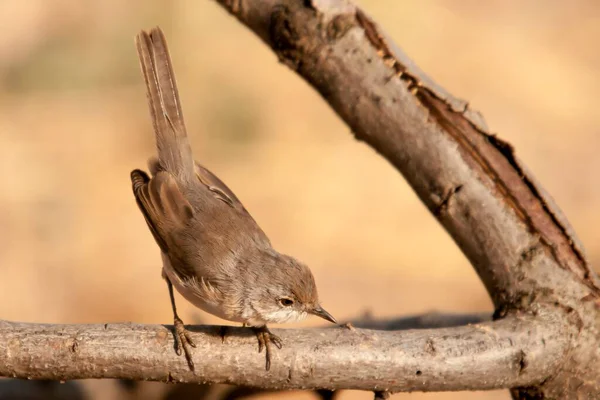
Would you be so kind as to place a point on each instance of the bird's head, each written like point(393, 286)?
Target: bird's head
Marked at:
point(285, 291)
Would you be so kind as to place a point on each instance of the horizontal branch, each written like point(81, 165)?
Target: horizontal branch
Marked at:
point(501, 354)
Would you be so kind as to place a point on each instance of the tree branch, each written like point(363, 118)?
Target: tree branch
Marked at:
point(514, 235)
point(484, 356)
point(545, 341)
point(441, 146)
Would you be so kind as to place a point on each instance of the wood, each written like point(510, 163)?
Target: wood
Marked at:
point(508, 351)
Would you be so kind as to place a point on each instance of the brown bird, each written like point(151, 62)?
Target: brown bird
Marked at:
point(213, 251)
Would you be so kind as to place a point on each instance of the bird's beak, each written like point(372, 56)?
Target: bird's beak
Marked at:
point(320, 312)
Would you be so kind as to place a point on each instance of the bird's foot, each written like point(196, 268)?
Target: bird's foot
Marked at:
point(183, 341)
point(265, 338)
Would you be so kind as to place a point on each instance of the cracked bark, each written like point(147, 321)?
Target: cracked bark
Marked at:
point(544, 342)
point(326, 358)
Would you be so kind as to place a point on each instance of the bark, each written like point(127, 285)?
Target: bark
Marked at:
point(508, 352)
point(544, 342)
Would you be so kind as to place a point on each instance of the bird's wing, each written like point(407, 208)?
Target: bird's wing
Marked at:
point(218, 188)
point(222, 192)
point(165, 209)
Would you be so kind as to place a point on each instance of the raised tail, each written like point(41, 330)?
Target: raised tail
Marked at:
point(174, 151)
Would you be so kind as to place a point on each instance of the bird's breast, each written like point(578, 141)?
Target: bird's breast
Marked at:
point(202, 294)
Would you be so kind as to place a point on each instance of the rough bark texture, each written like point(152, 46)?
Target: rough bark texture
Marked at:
point(512, 351)
point(545, 341)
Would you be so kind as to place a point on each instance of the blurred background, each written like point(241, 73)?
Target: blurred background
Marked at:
point(74, 121)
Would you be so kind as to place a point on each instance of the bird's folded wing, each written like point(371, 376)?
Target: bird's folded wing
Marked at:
point(219, 189)
point(164, 207)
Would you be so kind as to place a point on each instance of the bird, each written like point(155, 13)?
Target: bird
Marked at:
point(213, 251)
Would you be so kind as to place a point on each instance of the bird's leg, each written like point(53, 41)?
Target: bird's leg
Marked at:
point(265, 338)
point(183, 341)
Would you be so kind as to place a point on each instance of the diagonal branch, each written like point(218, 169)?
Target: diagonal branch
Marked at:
point(507, 353)
point(514, 235)
point(441, 146)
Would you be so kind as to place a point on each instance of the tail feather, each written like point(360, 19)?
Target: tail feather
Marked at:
point(174, 151)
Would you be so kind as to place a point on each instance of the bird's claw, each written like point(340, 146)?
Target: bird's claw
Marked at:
point(265, 338)
point(183, 342)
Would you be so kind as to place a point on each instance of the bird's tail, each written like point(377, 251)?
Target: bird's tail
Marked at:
point(174, 151)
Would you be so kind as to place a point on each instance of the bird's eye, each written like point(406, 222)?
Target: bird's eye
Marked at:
point(286, 302)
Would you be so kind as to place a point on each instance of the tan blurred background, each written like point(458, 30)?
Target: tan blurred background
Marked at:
point(74, 122)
